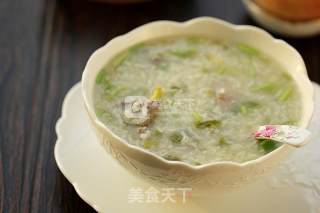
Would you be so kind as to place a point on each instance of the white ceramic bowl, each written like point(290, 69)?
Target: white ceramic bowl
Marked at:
point(215, 176)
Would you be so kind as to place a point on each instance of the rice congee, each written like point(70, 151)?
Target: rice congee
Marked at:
point(195, 99)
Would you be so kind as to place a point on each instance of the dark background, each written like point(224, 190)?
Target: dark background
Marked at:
point(44, 45)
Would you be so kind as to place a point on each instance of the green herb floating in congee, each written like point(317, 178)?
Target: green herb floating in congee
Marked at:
point(194, 99)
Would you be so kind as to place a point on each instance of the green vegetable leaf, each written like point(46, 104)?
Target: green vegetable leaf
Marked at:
point(176, 137)
point(209, 124)
point(121, 57)
point(193, 40)
point(252, 70)
point(100, 112)
point(267, 145)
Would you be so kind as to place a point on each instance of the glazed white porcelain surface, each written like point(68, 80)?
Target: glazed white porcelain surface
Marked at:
point(294, 187)
point(292, 29)
point(216, 176)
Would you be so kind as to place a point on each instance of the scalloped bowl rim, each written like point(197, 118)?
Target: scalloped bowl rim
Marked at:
point(186, 24)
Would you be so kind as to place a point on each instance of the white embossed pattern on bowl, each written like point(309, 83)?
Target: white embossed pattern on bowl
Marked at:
point(215, 176)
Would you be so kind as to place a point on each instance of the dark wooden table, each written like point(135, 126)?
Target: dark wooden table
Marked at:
point(44, 45)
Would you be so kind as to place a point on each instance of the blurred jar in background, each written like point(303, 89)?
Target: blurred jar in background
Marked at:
point(292, 10)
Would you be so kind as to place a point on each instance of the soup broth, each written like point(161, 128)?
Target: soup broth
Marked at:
point(204, 98)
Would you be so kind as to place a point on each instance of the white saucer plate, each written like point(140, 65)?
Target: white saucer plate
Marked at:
point(275, 24)
point(100, 181)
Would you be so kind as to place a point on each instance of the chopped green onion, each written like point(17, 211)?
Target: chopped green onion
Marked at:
point(247, 49)
point(183, 53)
point(113, 91)
point(171, 157)
point(119, 59)
point(201, 124)
point(101, 77)
point(222, 141)
point(268, 87)
point(286, 76)
point(136, 47)
point(103, 113)
point(208, 124)
point(197, 118)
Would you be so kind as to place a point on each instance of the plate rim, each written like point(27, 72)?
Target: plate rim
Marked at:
point(67, 98)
